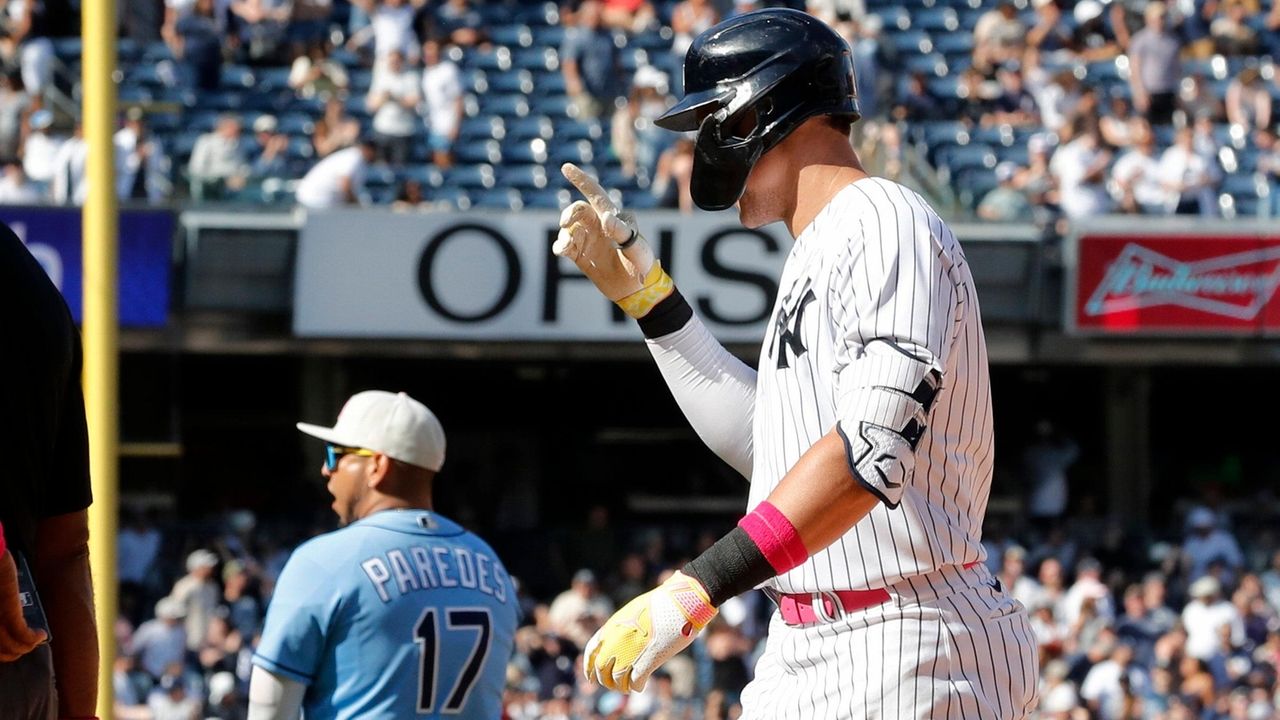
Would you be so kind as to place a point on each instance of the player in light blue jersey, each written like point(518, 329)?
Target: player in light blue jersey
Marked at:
point(400, 614)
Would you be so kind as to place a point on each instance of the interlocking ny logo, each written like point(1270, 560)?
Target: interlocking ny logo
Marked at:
point(1235, 286)
point(786, 326)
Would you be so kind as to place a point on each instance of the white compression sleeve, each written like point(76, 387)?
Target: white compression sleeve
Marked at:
point(715, 390)
point(272, 697)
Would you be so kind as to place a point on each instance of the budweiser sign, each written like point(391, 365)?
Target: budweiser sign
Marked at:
point(1129, 284)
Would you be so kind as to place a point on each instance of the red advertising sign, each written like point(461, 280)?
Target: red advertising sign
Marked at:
point(1177, 283)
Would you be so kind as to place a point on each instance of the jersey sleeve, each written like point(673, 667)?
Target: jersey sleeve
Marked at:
point(714, 389)
point(895, 311)
point(302, 609)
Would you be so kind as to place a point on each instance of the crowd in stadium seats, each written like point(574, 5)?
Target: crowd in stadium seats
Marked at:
point(1178, 624)
point(1027, 110)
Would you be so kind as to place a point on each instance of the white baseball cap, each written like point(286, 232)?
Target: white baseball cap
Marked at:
point(390, 423)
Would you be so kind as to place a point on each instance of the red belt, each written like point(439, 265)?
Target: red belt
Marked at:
point(798, 609)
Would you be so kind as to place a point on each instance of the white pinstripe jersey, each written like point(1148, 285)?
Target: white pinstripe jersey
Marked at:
point(877, 262)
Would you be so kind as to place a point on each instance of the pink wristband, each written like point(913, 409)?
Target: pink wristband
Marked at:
point(776, 537)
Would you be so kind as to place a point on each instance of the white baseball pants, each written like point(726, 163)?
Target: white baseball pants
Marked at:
point(949, 646)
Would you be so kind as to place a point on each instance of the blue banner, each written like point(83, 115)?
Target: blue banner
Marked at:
point(53, 235)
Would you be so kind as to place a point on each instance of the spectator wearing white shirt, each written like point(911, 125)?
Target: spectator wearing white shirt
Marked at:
point(70, 183)
point(1088, 586)
point(393, 101)
point(1136, 174)
point(1080, 169)
point(442, 95)
point(40, 149)
point(142, 168)
point(1109, 682)
point(199, 595)
point(218, 161)
point(338, 179)
point(14, 187)
point(1186, 177)
point(390, 27)
point(1248, 101)
point(1207, 617)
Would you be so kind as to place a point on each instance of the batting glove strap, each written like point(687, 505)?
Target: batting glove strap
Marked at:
point(647, 632)
point(658, 286)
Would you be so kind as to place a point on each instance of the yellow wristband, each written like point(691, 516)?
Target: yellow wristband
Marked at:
point(657, 286)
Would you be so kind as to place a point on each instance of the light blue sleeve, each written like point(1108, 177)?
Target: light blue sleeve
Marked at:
point(305, 601)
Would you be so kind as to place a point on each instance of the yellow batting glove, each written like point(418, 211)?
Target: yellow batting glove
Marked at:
point(604, 241)
point(646, 633)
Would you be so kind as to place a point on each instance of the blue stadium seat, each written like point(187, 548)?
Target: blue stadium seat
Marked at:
point(236, 78)
point(527, 128)
point(557, 106)
point(640, 200)
point(482, 152)
point(525, 151)
point(425, 175)
point(470, 176)
point(506, 105)
point(1243, 185)
point(495, 58)
point(360, 80)
point(895, 18)
point(519, 81)
point(486, 127)
point(537, 59)
point(301, 148)
point(974, 185)
point(546, 13)
point(953, 43)
point(578, 152)
point(511, 35)
point(296, 124)
point(937, 20)
point(549, 83)
point(964, 157)
point(910, 42)
point(940, 132)
point(632, 58)
point(523, 177)
point(455, 196)
point(548, 35)
point(547, 199)
point(499, 199)
point(654, 41)
point(68, 47)
point(578, 130)
point(1015, 153)
point(272, 78)
point(930, 64)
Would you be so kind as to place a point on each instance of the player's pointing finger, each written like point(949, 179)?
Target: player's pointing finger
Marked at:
point(590, 189)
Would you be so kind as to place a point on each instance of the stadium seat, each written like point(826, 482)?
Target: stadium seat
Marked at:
point(546, 13)
point(965, 157)
point(578, 130)
point(556, 106)
point(912, 42)
point(528, 128)
point(296, 124)
point(520, 81)
point(578, 152)
point(929, 64)
point(496, 58)
point(522, 177)
point(525, 151)
point(506, 105)
point(511, 35)
point(936, 21)
point(470, 176)
point(451, 195)
point(953, 43)
point(499, 199)
point(549, 83)
point(425, 175)
point(538, 59)
point(235, 77)
point(486, 151)
point(547, 199)
point(486, 127)
point(548, 35)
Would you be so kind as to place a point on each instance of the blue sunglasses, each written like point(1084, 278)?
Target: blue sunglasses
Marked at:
point(333, 454)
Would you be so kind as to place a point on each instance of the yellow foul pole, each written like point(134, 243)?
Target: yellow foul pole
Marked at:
point(101, 333)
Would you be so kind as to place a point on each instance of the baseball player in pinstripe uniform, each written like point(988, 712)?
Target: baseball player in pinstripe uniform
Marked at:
point(866, 429)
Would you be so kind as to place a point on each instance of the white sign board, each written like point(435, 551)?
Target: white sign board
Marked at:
point(480, 276)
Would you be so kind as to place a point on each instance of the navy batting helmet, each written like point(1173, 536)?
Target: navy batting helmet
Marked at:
point(749, 82)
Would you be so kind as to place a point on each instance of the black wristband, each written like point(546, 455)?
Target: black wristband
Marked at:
point(731, 567)
point(668, 316)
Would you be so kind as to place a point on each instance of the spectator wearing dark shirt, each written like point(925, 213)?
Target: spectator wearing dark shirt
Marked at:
point(460, 23)
point(44, 491)
point(590, 63)
point(198, 44)
point(1155, 70)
